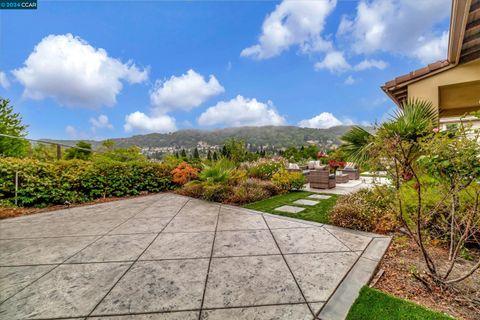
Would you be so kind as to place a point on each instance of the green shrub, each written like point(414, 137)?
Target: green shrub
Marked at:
point(42, 183)
point(219, 172)
point(36, 180)
point(193, 189)
point(366, 210)
point(217, 192)
point(206, 190)
point(252, 190)
point(287, 181)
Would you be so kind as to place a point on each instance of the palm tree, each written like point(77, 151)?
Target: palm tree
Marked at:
point(396, 145)
point(413, 121)
point(357, 144)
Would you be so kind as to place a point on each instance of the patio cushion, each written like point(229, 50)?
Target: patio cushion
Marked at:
point(350, 165)
point(320, 167)
point(293, 166)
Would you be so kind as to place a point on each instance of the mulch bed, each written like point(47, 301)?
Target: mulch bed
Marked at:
point(403, 259)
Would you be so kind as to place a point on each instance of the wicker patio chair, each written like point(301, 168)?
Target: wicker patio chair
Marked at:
point(352, 171)
point(321, 179)
point(342, 177)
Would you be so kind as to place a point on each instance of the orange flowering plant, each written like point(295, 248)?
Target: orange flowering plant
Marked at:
point(184, 173)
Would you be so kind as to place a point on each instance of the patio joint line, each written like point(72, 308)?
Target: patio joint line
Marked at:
point(261, 305)
point(288, 266)
point(185, 258)
point(54, 237)
point(209, 263)
point(138, 257)
point(341, 240)
point(69, 257)
point(180, 310)
point(341, 281)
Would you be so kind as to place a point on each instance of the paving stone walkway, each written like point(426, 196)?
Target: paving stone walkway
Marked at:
point(169, 257)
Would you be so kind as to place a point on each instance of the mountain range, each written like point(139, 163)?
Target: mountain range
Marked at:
point(278, 136)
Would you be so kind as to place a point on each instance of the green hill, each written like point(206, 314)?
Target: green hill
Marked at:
point(278, 136)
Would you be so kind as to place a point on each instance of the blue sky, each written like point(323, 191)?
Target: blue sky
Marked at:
point(98, 69)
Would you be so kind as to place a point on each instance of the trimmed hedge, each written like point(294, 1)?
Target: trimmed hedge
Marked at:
point(45, 183)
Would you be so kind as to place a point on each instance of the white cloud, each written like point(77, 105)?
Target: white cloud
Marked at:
point(241, 111)
point(349, 81)
point(184, 92)
point(397, 26)
point(101, 122)
point(334, 61)
point(179, 93)
point(74, 73)
point(369, 64)
point(71, 131)
point(348, 122)
point(432, 50)
point(322, 121)
point(141, 122)
point(292, 23)
point(4, 83)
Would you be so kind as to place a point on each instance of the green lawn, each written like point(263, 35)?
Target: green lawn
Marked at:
point(375, 305)
point(318, 213)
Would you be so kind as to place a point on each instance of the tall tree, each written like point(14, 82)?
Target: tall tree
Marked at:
point(82, 151)
point(196, 155)
point(209, 155)
point(224, 151)
point(108, 144)
point(11, 124)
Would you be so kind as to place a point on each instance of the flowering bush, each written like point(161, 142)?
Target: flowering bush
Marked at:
point(184, 173)
point(264, 168)
point(286, 181)
point(336, 164)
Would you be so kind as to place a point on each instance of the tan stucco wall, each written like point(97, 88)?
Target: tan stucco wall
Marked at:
point(427, 89)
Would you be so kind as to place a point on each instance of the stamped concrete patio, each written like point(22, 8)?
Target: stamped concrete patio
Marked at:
point(172, 257)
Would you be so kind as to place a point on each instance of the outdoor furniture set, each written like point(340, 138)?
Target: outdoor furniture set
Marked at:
point(319, 175)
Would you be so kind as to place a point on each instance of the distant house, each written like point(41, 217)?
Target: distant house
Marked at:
point(452, 85)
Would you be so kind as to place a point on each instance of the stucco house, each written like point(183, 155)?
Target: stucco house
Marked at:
point(452, 85)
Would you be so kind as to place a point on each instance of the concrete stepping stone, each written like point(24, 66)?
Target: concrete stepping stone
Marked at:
point(289, 209)
point(306, 202)
point(318, 196)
